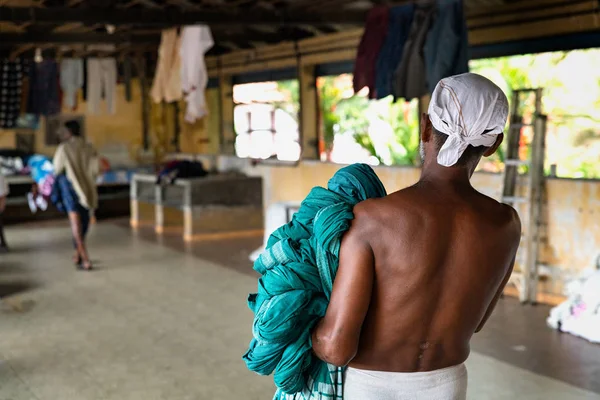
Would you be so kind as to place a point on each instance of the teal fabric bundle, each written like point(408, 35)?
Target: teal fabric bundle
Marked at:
point(298, 268)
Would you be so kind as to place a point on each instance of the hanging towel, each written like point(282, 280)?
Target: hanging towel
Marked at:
point(410, 79)
point(298, 269)
point(167, 81)
point(376, 29)
point(447, 45)
point(195, 42)
point(400, 21)
point(71, 80)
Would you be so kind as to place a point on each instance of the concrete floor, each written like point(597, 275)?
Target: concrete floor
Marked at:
point(154, 322)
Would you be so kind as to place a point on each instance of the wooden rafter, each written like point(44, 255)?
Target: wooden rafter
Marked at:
point(177, 17)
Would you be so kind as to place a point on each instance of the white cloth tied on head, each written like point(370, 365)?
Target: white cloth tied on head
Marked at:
point(471, 110)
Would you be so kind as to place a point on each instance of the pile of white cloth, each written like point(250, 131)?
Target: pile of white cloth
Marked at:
point(580, 313)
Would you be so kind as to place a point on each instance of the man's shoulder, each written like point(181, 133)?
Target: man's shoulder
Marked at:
point(502, 216)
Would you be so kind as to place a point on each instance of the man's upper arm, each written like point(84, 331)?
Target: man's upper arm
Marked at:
point(515, 237)
point(336, 338)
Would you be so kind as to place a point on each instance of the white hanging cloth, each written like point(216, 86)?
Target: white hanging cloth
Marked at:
point(195, 42)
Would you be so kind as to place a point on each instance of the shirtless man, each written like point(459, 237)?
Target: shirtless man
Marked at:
point(421, 270)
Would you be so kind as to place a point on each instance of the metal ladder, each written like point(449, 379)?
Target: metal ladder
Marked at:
point(529, 203)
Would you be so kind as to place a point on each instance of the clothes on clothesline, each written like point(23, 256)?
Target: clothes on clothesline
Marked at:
point(195, 42)
point(44, 88)
point(400, 21)
point(410, 78)
point(446, 49)
point(371, 43)
point(167, 79)
point(420, 45)
point(102, 80)
point(127, 76)
point(71, 80)
point(11, 81)
point(181, 70)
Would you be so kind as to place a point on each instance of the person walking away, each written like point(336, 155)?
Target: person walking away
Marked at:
point(3, 194)
point(75, 169)
point(421, 270)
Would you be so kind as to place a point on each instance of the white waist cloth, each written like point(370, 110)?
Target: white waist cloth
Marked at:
point(442, 384)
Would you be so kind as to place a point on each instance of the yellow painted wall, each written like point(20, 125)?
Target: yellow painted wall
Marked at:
point(203, 136)
point(572, 212)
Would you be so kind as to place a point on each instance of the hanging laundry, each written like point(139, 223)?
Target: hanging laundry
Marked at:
point(447, 46)
point(410, 79)
point(102, 78)
point(195, 42)
point(400, 22)
point(127, 74)
point(71, 80)
point(11, 79)
point(376, 29)
point(44, 88)
point(167, 80)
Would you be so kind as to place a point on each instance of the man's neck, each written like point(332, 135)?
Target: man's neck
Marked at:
point(441, 176)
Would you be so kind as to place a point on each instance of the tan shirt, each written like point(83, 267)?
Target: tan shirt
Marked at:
point(77, 159)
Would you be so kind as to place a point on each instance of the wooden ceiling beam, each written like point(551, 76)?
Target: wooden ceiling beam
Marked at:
point(173, 16)
point(10, 39)
point(239, 37)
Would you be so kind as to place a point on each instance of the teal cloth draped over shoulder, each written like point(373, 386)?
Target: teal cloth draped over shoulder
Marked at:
point(298, 268)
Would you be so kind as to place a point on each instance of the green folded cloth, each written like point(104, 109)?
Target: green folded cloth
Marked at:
point(298, 268)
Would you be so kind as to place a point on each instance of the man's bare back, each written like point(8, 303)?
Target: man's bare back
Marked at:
point(440, 258)
point(420, 272)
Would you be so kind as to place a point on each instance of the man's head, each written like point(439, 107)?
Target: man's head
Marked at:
point(69, 129)
point(466, 120)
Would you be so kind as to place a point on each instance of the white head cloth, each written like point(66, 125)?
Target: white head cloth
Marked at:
point(471, 110)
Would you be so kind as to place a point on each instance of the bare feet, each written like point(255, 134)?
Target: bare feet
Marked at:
point(87, 265)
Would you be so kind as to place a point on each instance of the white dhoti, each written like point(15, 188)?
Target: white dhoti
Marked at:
point(443, 384)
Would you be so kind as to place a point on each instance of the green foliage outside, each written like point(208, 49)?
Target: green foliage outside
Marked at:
point(353, 115)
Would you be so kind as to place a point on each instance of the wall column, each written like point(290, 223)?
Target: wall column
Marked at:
point(227, 144)
point(309, 112)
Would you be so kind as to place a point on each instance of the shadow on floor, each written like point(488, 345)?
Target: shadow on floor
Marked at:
point(14, 288)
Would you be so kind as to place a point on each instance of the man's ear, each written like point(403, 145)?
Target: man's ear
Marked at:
point(425, 128)
point(495, 146)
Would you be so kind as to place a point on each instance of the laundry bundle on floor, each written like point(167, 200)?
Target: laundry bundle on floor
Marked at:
point(298, 268)
point(579, 315)
point(406, 50)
